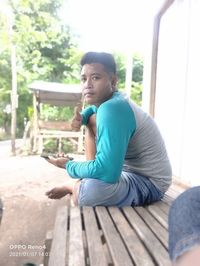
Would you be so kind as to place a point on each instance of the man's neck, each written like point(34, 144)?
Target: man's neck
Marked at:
point(105, 100)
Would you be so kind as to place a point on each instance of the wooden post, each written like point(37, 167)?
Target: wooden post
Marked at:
point(35, 123)
point(129, 67)
point(154, 61)
point(59, 145)
point(14, 99)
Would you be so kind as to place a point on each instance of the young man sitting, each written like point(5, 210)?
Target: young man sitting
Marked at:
point(126, 159)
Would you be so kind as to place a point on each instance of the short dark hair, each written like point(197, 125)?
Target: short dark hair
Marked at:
point(106, 59)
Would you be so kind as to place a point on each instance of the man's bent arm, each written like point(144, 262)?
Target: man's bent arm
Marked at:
point(87, 112)
point(115, 126)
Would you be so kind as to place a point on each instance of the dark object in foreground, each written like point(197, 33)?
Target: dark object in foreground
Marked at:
point(44, 156)
point(48, 156)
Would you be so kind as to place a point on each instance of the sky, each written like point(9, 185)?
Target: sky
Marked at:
point(111, 25)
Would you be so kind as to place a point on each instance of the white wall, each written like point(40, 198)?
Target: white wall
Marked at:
point(177, 109)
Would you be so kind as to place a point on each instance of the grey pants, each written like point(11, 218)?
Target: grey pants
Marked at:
point(131, 190)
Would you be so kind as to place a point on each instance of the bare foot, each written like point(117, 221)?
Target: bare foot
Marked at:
point(58, 192)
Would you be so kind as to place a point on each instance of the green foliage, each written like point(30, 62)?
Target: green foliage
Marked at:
point(137, 78)
point(48, 41)
point(121, 69)
point(137, 75)
point(22, 110)
point(136, 92)
point(47, 50)
point(50, 112)
point(44, 48)
point(51, 146)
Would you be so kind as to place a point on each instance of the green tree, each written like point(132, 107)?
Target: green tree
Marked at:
point(121, 69)
point(137, 75)
point(44, 50)
point(137, 79)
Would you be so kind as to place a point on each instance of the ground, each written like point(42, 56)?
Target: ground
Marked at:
point(28, 214)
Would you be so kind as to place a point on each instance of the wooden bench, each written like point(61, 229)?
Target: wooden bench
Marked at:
point(111, 236)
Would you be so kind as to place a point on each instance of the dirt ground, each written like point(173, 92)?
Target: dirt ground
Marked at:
point(28, 214)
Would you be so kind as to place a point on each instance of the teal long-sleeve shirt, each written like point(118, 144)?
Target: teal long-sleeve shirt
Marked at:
point(116, 124)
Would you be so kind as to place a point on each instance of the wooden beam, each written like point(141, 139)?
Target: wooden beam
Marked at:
point(165, 7)
point(154, 62)
point(154, 56)
point(35, 122)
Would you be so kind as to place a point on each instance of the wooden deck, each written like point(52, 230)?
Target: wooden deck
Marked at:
point(111, 236)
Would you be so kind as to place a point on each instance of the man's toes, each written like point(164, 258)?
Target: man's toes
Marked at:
point(53, 196)
point(48, 192)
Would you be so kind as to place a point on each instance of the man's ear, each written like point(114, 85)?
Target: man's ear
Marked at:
point(114, 82)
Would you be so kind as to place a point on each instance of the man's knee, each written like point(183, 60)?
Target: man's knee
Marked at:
point(94, 192)
point(89, 194)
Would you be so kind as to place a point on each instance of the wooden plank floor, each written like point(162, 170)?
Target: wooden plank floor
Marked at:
point(111, 236)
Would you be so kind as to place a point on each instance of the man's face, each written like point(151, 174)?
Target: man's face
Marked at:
point(97, 84)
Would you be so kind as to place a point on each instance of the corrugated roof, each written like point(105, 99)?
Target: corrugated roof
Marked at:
point(56, 93)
